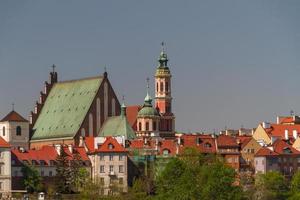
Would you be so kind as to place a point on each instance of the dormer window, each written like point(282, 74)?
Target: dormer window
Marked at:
point(287, 150)
point(19, 130)
point(110, 146)
point(166, 152)
point(42, 162)
point(207, 145)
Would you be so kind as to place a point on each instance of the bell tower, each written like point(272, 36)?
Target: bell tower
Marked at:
point(163, 96)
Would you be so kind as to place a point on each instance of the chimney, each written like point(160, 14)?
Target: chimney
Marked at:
point(278, 120)
point(286, 134)
point(70, 147)
point(57, 148)
point(266, 125)
point(295, 134)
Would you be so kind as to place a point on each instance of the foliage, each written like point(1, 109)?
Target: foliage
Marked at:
point(79, 175)
point(32, 179)
point(138, 191)
point(295, 187)
point(63, 172)
point(92, 190)
point(271, 185)
point(195, 176)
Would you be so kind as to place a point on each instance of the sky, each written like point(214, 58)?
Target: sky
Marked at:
point(235, 63)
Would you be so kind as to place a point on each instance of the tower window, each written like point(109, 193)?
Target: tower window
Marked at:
point(19, 130)
point(154, 126)
point(140, 126)
point(147, 126)
point(156, 87)
point(167, 87)
point(161, 86)
point(3, 131)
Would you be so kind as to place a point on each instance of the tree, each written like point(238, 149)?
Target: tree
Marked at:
point(138, 191)
point(197, 176)
point(63, 172)
point(32, 179)
point(295, 186)
point(79, 175)
point(271, 185)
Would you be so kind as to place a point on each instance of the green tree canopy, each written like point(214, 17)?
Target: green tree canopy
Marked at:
point(32, 179)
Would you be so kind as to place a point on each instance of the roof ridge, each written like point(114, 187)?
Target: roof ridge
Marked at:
point(81, 79)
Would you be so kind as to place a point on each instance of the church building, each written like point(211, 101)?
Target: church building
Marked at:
point(69, 110)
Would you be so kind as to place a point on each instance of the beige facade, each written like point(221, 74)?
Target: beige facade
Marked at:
point(111, 170)
point(248, 152)
point(261, 136)
point(15, 133)
point(5, 171)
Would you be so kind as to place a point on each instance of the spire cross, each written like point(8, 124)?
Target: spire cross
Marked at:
point(53, 68)
point(163, 46)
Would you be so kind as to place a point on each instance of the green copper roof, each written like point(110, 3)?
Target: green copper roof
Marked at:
point(65, 108)
point(148, 112)
point(117, 126)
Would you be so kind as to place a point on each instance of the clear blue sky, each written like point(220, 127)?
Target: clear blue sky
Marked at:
point(233, 62)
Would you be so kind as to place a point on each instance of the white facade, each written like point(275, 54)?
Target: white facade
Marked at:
point(5, 171)
point(15, 133)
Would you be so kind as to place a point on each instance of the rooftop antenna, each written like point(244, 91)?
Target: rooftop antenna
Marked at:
point(53, 68)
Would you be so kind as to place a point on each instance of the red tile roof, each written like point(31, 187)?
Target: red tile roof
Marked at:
point(203, 143)
point(279, 130)
point(3, 143)
point(282, 147)
point(284, 120)
point(131, 114)
point(13, 116)
point(265, 152)
point(226, 141)
point(90, 143)
point(111, 141)
point(243, 140)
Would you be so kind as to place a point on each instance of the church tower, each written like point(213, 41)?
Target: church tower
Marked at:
point(163, 96)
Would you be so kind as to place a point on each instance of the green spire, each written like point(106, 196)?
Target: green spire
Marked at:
point(163, 58)
point(148, 98)
point(123, 107)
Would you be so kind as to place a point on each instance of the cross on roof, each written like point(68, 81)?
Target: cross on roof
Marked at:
point(53, 68)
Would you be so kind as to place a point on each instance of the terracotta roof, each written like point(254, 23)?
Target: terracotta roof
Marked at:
point(243, 140)
point(131, 114)
point(279, 130)
point(226, 141)
point(203, 143)
point(265, 152)
point(283, 120)
point(90, 143)
point(111, 141)
point(282, 147)
point(169, 145)
point(136, 144)
point(3, 143)
point(13, 116)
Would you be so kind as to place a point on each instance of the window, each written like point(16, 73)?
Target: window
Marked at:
point(50, 173)
point(111, 157)
point(167, 87)
point(1, 187)
point(121, 168)
point(110, 146)
point(102, 180)
point(154, 126)
point(102, 157)
point(19, 130)
point(140, 126)
point(207, 145)
point(3, 131)
point(16, 173)
point(121, 157)
point(147, 126)
point(156, 87)
point(161, 86)
point(166, 152)
point(111, 168)
point(52, 162)
point(101, 168)
point(121, 181)
point(42, 162)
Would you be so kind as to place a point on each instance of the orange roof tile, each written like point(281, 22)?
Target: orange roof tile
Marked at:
point(90, 143)
point(280, 146)
point(13, 116)
point(226, 141)
point(3, 143)
point(279, 130)
point(131, 114)
point(116, 146)
point(265, 152)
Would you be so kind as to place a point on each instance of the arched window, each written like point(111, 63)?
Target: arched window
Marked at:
point(156, 87)
point(147, 126)
point(98, 114)
point(3, 131)
point(113, 107)
point(167, 87)
point(91, 131)
point(140, 126)
point(19, 130)
point(83, 132)
point(166, 152)
point(154, 126)
point(161, 86)
point(105, 100)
